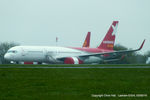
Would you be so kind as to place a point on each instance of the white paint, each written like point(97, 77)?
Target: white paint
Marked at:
point(76, 61)
point(148, 60)
point(114, 29)
point(42, 53)
point(108, 42)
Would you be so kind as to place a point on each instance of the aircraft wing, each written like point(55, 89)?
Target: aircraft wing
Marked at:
point(114, 52)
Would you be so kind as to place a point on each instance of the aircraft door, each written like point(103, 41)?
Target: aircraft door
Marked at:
point(23, 53)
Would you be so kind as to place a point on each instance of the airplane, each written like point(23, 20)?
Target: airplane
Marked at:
point(69, 55)
point(85, 44)
point(87, 40)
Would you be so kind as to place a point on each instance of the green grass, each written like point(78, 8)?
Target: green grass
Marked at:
point(72, 84)
point(72, 65)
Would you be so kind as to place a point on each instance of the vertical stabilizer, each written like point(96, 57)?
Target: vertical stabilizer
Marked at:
point(109, 39)
point(87, 40)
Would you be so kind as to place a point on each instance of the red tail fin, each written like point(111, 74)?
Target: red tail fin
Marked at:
point(87, 40)
point(109, 39)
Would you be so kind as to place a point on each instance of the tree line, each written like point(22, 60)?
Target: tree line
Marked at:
point(4, 46)
point(130, 58)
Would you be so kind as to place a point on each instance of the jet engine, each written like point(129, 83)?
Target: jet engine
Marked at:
point(93, 59)
point(73, 60)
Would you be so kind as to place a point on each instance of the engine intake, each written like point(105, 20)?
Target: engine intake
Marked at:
point(73, 60)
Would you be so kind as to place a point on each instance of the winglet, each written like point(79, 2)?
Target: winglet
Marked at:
point(142, 45)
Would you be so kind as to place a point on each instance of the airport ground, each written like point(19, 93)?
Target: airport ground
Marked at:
point(20, 83)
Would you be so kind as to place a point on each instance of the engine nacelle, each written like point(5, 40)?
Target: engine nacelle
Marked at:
point(73, 60)
point(93, 59)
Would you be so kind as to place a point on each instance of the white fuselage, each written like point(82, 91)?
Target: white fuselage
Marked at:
point(40, 53)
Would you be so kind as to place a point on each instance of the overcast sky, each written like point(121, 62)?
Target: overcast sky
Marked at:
point(38, 22)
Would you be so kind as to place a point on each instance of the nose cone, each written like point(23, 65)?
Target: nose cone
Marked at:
point(7, 56)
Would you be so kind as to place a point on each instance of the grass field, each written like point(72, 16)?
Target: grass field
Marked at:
point(67, 65)
point(73, 84)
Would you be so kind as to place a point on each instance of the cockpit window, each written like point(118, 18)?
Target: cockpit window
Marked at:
point(12, 51)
